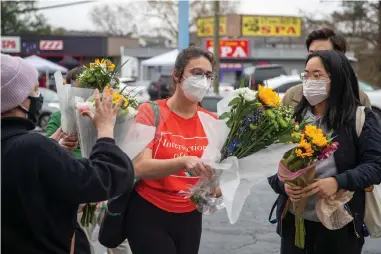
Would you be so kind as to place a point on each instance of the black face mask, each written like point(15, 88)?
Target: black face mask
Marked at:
point(34, 109)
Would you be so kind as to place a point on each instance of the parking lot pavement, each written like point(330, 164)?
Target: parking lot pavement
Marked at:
point(252, 234)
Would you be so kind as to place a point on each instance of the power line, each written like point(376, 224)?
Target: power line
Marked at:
point(62, 5)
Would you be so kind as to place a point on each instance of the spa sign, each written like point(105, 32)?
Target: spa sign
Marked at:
point(205, 26)
point(231, 48)
point(271, 26)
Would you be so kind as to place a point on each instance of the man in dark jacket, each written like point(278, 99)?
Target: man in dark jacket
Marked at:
point(42, 184)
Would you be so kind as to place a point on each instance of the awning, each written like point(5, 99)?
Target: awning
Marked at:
point(43, 65)
point(166, 59)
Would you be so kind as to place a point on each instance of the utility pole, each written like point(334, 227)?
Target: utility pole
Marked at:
point(183, 39)
point(216, 41)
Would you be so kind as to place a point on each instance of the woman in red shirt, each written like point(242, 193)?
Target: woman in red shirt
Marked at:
point(160, 220)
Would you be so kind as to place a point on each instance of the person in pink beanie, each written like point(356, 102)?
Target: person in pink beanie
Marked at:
point(42, 184)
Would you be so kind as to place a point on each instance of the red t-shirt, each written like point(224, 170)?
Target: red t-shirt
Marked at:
point(175, 137)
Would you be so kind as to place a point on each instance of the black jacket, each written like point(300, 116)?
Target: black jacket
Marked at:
point(358, 161)
point(42, 186)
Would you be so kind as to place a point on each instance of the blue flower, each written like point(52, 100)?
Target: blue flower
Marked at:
point(232, 146)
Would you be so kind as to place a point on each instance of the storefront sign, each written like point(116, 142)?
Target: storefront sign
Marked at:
point(205, 26)
point(271, 26)
point(231, 48)
point(51, 45)
point(10, 44)
point(231, 66)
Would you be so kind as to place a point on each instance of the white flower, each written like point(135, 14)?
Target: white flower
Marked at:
point(246, 93)
point(131, 111)
point(250, 95)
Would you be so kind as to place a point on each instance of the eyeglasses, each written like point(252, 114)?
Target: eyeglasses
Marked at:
point(314, 76)
point(200, 73)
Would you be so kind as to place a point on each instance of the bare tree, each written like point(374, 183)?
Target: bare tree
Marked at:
point(152, 17)
point(360, 23)
point(115, 19)
point(165, 14)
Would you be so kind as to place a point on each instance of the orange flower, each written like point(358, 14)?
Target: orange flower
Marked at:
point(304, 148)
point(268, 97)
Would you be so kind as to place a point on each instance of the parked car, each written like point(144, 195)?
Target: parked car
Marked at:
point(374, 96)
point(253, 76)
point(50, 105)
point(138, 89)
point(283, 83)
point(161, 88)
point(224, 89)
point(209, 103)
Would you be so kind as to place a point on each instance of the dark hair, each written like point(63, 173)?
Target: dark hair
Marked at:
point(344, 95)
point(74, 73)
point(338, 41)
point(183, 59)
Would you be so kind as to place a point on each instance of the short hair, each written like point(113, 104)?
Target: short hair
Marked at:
point(73, 74)
point(337, 40)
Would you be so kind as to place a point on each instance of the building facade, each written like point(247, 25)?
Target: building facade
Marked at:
point(68, 51)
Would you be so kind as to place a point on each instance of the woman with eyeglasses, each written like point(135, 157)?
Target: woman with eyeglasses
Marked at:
point(331, 99)
point(160, 220)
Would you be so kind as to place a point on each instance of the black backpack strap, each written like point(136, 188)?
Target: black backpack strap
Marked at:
point(274, 221)
point(156, 112)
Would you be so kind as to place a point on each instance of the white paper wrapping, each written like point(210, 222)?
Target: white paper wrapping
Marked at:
point(130, 136)
point(237, 177)
point(68, 124)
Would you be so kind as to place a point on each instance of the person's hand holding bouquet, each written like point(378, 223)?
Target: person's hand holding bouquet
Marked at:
point(297, 171)
point(104, 120)
point(105, 113)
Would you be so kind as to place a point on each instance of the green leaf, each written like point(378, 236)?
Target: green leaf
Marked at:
point(235, 101)
point(224, 116)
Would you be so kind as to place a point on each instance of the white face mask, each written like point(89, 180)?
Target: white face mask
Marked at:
point(315, 91)
point(195, 88)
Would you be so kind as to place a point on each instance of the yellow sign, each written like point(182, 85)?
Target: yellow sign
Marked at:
point(205, 27)
point(271, 26)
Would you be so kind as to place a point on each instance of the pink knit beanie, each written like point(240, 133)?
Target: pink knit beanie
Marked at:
point(17, 81)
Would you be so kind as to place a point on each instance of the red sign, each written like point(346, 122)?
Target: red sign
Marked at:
point(10, 44)
point(51, 45)
point(231, 48)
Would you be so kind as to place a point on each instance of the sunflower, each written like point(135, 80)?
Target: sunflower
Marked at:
point(304, 148)
point(268, 97)
point(316, 135)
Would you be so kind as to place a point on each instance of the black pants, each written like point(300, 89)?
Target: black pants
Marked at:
point(319, 239)
point(152, 230)
point(81, 244)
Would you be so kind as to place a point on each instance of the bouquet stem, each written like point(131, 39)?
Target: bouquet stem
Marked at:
point(300, 233)
point(88, 214)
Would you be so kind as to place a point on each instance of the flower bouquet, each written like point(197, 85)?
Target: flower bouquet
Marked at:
point(298, 165)
point(250, 125)
point(100, 74)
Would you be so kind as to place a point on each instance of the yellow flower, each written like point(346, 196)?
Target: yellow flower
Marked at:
point(97, 61)
point(320, 141)
point(116, 97)
point(268, 97)
point(312, 130)
point(316, 135)
point(304, 149)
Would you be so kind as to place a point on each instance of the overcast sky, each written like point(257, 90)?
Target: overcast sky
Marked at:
point(77, 17)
